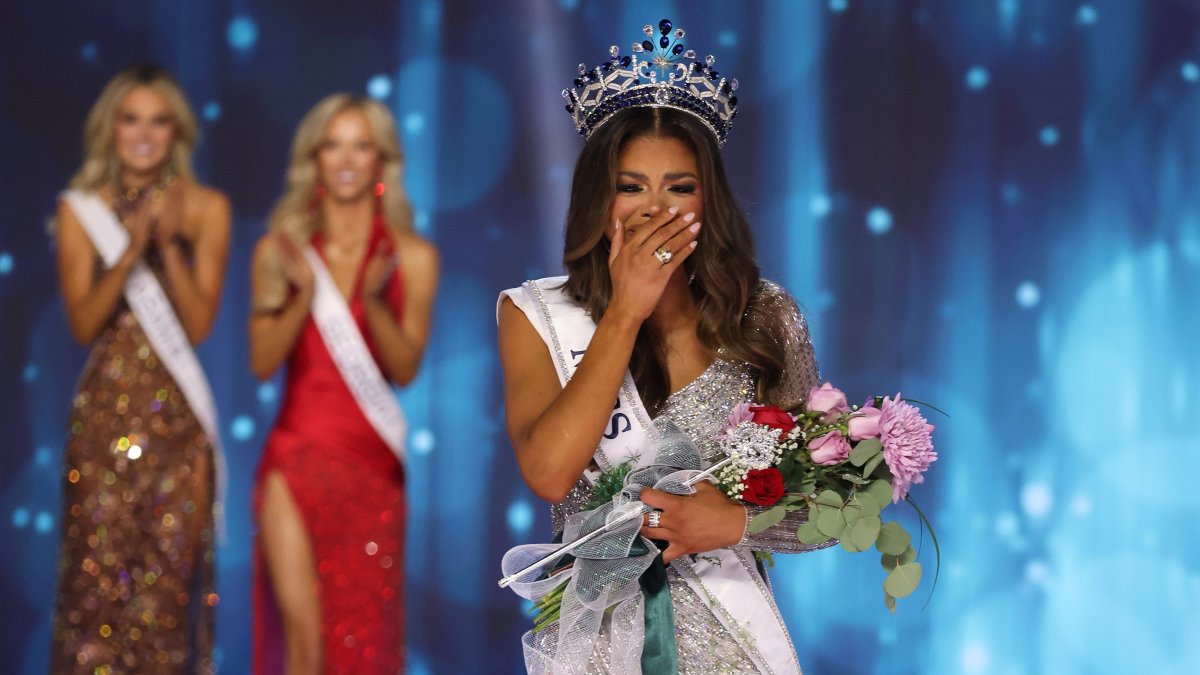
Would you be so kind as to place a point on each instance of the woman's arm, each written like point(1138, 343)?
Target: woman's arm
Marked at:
point(555, 430)
point(401, 344)
point(89, 301)
point(800, 375)
point(274, 329)
point(195, 290)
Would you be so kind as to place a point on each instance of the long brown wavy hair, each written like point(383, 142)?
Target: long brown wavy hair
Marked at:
point(726, 273)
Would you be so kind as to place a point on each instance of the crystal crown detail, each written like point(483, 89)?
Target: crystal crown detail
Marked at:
point(661, 73)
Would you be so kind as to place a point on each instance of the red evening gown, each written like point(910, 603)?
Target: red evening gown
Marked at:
point(349, 488)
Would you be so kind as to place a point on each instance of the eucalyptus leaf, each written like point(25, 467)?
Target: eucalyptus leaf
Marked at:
point(830, 498)
point(871, 465)
point(809, 487)
point(903, 580)
point(867, 505)
point(861, 535)
point(893, 539)
point(831, 522)
point(809, 534)
point(767, 519)
point(853, 511)
point(890, 601)
point(878, 491)
point(891, 562)
point(865, 450)
point(851, 478)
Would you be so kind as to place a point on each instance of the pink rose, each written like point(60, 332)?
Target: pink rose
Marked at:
point(827, 400)
point(864, 423)
point(829, 449)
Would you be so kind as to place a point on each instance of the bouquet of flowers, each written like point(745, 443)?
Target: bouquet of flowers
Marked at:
point(844, 464)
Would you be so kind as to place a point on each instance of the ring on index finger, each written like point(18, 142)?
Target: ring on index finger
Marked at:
point(654, 519)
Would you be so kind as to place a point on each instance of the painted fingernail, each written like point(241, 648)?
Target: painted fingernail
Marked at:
point(694, 228)
point(693, 244)
point(688, 218)
point(673, 210)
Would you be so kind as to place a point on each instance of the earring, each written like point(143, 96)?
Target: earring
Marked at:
point(319, 192)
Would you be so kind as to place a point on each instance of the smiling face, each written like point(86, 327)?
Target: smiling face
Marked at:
point(348, 161)
point(144, 131)
point(655, 173)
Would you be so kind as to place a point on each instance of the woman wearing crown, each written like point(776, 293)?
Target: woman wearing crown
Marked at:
point(343, 294)
point(141, 247)
point(662, 310)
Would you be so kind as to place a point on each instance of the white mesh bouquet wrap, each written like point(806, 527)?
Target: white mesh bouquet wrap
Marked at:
point(604, 577)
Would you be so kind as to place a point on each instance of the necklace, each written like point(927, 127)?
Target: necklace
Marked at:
point(128, 199)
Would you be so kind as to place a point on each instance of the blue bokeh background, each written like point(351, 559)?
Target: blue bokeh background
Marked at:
point(990, 205)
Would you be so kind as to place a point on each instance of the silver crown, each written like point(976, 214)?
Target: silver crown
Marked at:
point(659, 74)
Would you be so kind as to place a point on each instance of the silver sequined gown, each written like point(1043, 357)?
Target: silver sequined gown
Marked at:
point(700, 410)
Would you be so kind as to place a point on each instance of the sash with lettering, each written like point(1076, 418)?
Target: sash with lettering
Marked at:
point(149, 303)
point(353, 359)
point(726, 580)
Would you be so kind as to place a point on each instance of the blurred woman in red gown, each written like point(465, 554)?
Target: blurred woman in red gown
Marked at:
point(329, 492)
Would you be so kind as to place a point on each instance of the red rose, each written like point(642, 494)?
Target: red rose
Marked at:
point(771, 416)
point(763, 487)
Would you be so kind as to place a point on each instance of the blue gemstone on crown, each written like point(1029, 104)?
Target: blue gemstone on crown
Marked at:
point(664, 76)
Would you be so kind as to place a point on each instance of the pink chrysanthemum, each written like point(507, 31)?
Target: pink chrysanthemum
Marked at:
point(740, 413)
point(907, 444)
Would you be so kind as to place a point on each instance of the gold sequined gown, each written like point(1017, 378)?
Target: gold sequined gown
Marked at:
point(700, 409)
point(135, 571)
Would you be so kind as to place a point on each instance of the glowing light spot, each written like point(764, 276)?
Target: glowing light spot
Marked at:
point(1081, 505)
point(1006, 525)
point(242, 427)
point(978, 78)
point(267, 392)
point(422, 441)
point(820, 205)
point(30, 372)
point(1011, 193)
point(371, 548)
point(44, 522)
point(43, 456)
point(242, 33)
point(520, 516)
point(212, 111)
point(379, 87)
point(21, 517)
point(1049, 136)
point(839, 5)
point(135, 451)
point(414, 122)
point(1036, 572)
point(1086, 15)
point(1036, 499)
point(421, 220)
point(89, 52)
point(879, 220)
point(1189, 71)
point(6, 263)
point(975, 657)
point(1028, 295)
point(727, 38)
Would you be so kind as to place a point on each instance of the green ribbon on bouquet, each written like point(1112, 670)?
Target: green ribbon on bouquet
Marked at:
point(659, 652)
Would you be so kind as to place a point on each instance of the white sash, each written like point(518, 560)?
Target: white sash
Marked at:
point(149, 303)
point(353, 359)
point(727, 580)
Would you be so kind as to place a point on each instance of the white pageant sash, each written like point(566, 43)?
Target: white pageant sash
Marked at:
point(727, 580)
point(353, 359)
point(152, 307)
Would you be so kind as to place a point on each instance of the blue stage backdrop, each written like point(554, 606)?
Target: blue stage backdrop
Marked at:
point(988, 205)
